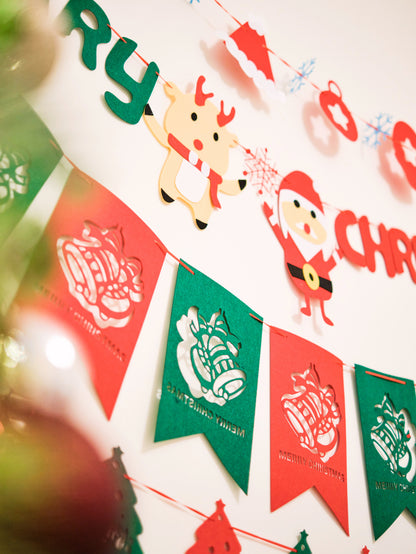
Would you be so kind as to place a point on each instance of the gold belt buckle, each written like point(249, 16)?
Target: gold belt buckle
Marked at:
point(311, 276)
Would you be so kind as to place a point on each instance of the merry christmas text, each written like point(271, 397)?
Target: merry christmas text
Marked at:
point(201, 409)
point(311, 464)
point(391, 486)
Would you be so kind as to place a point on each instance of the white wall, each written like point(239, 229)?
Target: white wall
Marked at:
point(368, 48)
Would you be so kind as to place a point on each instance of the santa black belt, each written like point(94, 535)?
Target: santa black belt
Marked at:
point(308, 274)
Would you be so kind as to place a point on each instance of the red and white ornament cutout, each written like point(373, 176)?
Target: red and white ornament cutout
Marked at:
point(337, 112)
point(404, 141)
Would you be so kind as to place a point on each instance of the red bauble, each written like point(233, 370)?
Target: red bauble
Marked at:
point(332, 102)
point(404, 140)
point(57, 495)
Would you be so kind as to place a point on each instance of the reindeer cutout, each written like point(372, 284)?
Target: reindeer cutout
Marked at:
point(198, 141)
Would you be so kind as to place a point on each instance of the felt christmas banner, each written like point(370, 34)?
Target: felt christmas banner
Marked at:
point(248, 46)
point(27, 159)
point(105, 263)
point(198, 141)
point(313, 243)
point(211, 370)
point(307, 424)
point(301, 226)
point(93, 36)
point(337, 112)
point(388, 418)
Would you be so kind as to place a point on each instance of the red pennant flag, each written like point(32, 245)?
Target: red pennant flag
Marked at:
point(307, 424)
point(104, 267)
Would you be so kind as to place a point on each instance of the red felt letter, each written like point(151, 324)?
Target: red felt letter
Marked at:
point(397, 236)
point(343, 220)
point(370, 246)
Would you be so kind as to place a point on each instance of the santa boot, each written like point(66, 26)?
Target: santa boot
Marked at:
point(324, 317)
point(306, 310)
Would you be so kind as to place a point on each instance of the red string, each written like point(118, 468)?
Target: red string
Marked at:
point(114, 31)
point(176, 502)
point(387, 378)
point(272, 329)
point(227, 12)
point(315, 86)
point(137, 54)
point(166, 251)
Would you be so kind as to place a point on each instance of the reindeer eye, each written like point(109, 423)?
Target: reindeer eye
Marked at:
point(313, 214)
point(216, 137)
point(296, 203)
point(194, 117)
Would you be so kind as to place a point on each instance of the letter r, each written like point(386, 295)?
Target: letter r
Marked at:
point(92, 37)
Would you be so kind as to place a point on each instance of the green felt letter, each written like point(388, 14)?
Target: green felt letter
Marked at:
point(92, 37)
point(130, 112)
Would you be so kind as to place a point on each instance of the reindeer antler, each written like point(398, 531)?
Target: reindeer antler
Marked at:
point(200, 96)
point(222, 118)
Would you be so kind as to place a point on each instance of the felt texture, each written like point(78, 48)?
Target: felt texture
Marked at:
point(27, 158)
point(302, 546)
point(211, 370)
point(71, 17)
point(122, 536)
point(404, 142)
point(307, 424)
point(388, 416)
point(337, 112)
point(196, 135)
point(130, 112)
point(215, 535)
point(104, 265)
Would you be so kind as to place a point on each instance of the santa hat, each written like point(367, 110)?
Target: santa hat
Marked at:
point(248, 45)
point(302, 185)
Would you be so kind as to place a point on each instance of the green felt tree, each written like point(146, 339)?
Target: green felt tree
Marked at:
point(122, 536)
point(303, 547)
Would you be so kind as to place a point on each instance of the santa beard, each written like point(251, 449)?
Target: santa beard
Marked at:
point(307, 248)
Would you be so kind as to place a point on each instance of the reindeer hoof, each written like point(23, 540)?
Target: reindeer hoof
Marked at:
point(201, 224)
point(242, 183)
point(148, 110)
point(166, 197)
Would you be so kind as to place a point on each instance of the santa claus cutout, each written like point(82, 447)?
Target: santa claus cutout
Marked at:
point(299, 223)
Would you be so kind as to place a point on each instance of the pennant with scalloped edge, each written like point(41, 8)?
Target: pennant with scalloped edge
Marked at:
point(27, 159)
point(248, 46)
point(211, 369)
point(307, 424)
point(122, 536)
point(215, 534)
point(388, 418)
point(105, 263)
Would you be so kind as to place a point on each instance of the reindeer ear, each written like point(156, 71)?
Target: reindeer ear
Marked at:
point(171, 90)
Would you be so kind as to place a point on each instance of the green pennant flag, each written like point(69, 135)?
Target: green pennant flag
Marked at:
point(28, 156)
point(211, 370)
point(388, 417)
